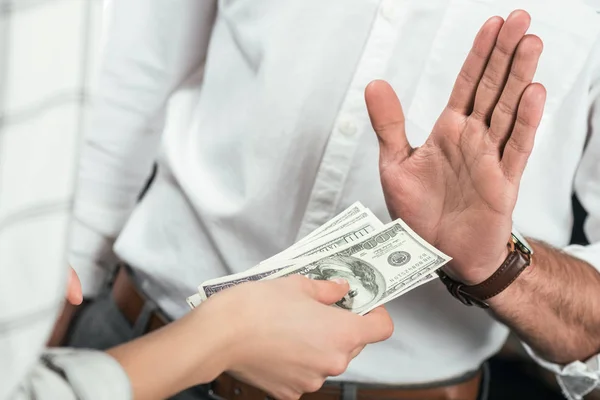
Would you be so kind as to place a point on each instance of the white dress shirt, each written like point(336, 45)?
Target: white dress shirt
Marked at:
point(256, 115)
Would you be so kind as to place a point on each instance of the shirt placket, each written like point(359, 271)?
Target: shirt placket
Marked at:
point(349, 123)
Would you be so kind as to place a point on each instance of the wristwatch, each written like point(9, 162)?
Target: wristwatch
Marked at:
point(519, 257)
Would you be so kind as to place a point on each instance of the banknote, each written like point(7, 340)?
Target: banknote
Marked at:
point(344, 220)
point(349, 216)
point(380, 267)
point(257, 273)
point(214, 286)
point(194, 300)
point(318, 247)
point(355, 209)
point(381, 262)
point(409, 287)
point(346, 233)
point(365, 216)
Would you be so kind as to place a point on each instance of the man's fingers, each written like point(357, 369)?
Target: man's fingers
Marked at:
point(387, 119)
point(520, 144)
point(497, 69)
point(465, 87)
point(376, 326)
point(521, 74)
point(327, 292)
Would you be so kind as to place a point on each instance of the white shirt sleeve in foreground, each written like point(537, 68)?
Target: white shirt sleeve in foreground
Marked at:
point(149, 49)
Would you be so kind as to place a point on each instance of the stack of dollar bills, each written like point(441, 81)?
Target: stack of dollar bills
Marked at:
point(380, 261)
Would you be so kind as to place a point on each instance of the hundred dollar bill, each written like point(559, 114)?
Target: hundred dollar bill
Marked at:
point(381, 266)
point(341, 218)
point(349, 216)
point(194, 300)
point(257, 273)
point(316, 248)
point(349, 232)
point(409, 287)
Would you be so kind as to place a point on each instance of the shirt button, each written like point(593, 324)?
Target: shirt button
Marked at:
point(388, 11)
point(347, 126)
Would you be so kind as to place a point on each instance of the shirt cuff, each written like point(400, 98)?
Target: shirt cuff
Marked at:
point(91, 256)
point(87, 373)
point(576, 379)
point(589, 253)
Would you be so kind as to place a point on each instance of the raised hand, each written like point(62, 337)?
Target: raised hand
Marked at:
point(459, 189)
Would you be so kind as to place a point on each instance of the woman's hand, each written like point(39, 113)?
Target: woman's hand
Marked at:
point(283, 335)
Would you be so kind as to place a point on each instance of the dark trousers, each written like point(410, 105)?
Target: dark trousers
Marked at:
point(100, 325)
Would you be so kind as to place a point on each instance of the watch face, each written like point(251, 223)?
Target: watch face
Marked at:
point(521, 242)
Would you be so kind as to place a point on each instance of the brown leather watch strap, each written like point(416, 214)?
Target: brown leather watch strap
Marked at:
point(514, 264)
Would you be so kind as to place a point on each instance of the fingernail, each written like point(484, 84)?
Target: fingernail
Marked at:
point(339, 281)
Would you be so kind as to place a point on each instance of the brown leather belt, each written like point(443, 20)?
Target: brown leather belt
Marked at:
point(230, 388)
point(130, 301)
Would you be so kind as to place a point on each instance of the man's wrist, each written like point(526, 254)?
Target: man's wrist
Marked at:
point(491, 270)
point(516, 258)
point(474, 275)
point(528, 275)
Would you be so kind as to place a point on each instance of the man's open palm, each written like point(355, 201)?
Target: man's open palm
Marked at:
point(459, 189)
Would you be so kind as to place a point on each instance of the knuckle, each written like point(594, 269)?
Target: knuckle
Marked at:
point(504, 50)
point(466, 76)
point(295, 395)
point(478, 114)
point(493, 136)
point(519, 78)
point(525, 122)
point(387, 328)
point(313, 385)
point(301, 282)
point(480, 53)
point(510, 175)
point(288, 395)
point(489, 83)
point(388, 126)
point(518, 146)
point(351, 338)
point(505, 108)
point(338, 366)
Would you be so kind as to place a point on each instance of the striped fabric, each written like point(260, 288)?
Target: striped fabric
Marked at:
point(47, 49)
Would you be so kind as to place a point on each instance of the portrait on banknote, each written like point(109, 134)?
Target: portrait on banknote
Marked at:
point(367, 284)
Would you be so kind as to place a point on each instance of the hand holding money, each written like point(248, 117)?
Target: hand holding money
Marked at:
point(380, 262)
point(290, 346)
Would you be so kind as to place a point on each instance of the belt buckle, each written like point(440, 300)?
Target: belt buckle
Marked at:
point(213, 396)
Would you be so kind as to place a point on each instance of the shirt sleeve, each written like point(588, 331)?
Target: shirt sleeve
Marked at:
point(149, 49)
point(581, 377)
point(74, 375)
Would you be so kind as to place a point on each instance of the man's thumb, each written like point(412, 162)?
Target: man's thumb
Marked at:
point(329, 292)
point(387, 118)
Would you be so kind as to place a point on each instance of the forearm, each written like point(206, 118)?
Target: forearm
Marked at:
point(174, 358)
point(554, 306)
